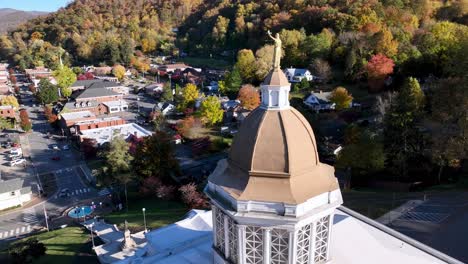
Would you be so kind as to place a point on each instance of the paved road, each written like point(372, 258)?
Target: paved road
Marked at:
point(440, 222)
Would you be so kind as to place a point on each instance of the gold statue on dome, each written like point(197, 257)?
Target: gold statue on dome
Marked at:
point(277, 53)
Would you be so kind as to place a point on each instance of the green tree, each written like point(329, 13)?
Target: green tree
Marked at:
point(319, 46)
point(48, 93)
point(363, 156)
point(119, 160)
point(246, 65)
point(65, 77)
point(412, 91)
point(303, 85)
point(211, 111)
point(118, 71)
point(167, 93)
point(155, 156)
point(27, 251)
point(220, 30)
point(222, 87)
point(341, 98)
point(233, 81)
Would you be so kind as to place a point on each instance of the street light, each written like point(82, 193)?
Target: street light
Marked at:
point(100, 204)
point(144, 217)
point(84, 215)
point(92, 235)
point(138, 103)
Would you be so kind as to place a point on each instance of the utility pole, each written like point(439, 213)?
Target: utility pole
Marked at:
point(45, 216)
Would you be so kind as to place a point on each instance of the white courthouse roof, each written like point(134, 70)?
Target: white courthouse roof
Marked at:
point(355, 240)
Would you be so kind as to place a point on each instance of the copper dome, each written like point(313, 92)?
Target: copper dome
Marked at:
point(274, 158)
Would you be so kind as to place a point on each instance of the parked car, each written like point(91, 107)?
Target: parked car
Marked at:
point(16, 151)
point(15, 156)
point(16, 162)
point(55, 147)
point(56, 158)
point(66, 147)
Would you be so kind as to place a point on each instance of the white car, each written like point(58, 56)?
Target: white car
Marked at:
point(55, 147)
point(15, 156)
point(66, 147)
point(17, 162)
point(16, 151)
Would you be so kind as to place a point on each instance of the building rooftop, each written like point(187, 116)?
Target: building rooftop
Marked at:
point(95, 121)
point(11, 185)
point(115, 103)
point(78, 115)
point(190, 241)
point(105, 134)
point(92, 93)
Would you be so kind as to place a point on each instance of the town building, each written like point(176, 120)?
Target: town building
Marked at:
point(4, 75)
point(166, 108)
point(99, 84)
point(98, 123)
point(319, 101)
point(8, 112)
point(68, 120)
point(106, 134)
point(154, 88)
point(12, 193)
point(273, 202)
point(98, 101)
point(35, 75)
point(296, 75)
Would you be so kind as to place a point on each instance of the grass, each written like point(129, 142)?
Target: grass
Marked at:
point(158, 213)
point(207, 62)
point(68, 245)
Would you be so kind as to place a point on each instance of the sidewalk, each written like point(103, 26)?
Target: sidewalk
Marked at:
point(399, 211)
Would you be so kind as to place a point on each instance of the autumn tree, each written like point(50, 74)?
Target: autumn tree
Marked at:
point(378, 68)
point(25, 123)
point(341, 98)
point(189, 95)
point(220, 29)
point(249, 97)
point(65, 77)
point(118, 71)
point(192, 197)
point(385, 44)
point(211, 111)
point(48, 92)
point(51, 117)
point(246, 65)
point(264, 61)
point(9, 100)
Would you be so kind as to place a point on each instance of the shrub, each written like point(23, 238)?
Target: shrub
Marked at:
point(192, 197)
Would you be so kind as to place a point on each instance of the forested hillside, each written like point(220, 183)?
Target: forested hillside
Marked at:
point(420, 36)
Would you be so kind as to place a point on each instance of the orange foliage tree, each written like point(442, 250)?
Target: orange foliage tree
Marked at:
point(378, 68)
point(249, 97)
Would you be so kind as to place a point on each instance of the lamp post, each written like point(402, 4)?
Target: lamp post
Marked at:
point(100, 204)
point(138, 103)
point(92, 235)
point(84, 215)
point(144, 217)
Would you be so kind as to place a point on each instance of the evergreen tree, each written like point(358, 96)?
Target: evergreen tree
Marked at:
point(233, 81)
point(48, 93)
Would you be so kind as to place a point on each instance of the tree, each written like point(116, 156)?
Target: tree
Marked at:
point(48, 92)
point(233, 81)
point(119, 161)
point(65, 77)
point(341, 98)
point(9, 100)
point(211, 111)
point(264, 61)
point(189, 95)
point(27, 251)
point(249, 97)
point(385, 44)
point(16, 89)
point(222, 87)
point(89, 148)
point(5, 123)
point(166, 94)
point(220, 31)
point(155, 156)
point(378, 68)
point(303, 85)
point(322, 69)
point(51, 117)
point(154, 186)
point(185, 126)
point(118, 71)
point(246, 65)
point(415, 96)
point(192, 197)
point(25, 123)
point(363, 156)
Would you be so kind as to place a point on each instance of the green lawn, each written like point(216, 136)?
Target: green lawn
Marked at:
point(158, 213)
point(207, 62)
point(68, 245)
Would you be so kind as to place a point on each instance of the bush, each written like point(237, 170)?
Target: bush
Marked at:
point(153, 186)
point(192, 197)
point(27, 251)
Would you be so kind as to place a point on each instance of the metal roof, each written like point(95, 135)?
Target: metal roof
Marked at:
point(11, 185)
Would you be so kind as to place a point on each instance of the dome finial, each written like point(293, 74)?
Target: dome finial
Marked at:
point(277, 54)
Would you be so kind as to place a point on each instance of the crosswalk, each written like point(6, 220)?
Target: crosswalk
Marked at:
point(423, 217)
point(29, 216)
point(104, 192)
point(80, 191)
point(15, 232)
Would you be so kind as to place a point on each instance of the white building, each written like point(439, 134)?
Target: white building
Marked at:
point(13, 194)
point(106, 134)
point(296, 75)
point(274, 202)
point(319, 101)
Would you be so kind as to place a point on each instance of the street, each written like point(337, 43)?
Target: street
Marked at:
point(67, 172)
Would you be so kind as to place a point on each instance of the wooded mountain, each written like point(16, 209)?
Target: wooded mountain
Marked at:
point(342, 32)
point(10, 18)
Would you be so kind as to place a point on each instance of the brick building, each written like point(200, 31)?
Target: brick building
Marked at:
point(8, 112)
point(98, 123)
point(99, 84)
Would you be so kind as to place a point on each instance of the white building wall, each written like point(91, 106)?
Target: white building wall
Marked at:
point(7, 200)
